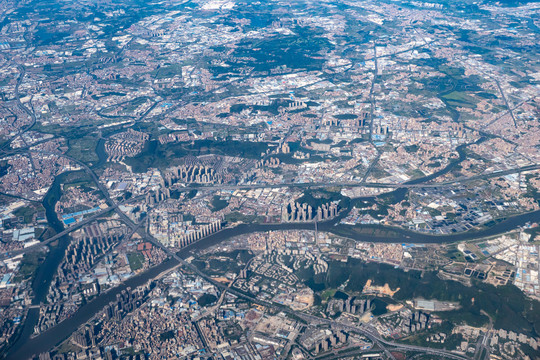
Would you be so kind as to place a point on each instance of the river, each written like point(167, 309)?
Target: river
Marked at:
point(50, 338)
point(25, 349)
point(25, 346)
point(46, 270)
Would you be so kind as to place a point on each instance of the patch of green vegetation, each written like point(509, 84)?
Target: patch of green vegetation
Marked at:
point(379, 173)
point(218, 204)
point(155, 155)
point(206, 299)
point(318, 197)
point(346, 116)
point(29, 265)
point(151, 128)
point(129, 352)
point(130, 106)
point(169, 71)
point(166, 335)
point(68, 347)
point(298, 51)
point(273, 108)
point(107, 94)
point(238, 217)
point(411, 148)
point(529, 351)
point(201, 265)
point(84, 185)
point(455, 255)
point(460, 98)
point(4, 167)
point(152, 155)
point(224, 262)
point(27, 212)
point(83, 148)
point(315, 281)
point(289, 159)
point(452, 71)
point(327, 294)
point(486, 95)
point(83, 129)
point(77, 178)
point(136, 260)
point(518, 85)
point(219, 266)
point(420, 339)
point(233, 331)
point(507, 305)
point(415, 173)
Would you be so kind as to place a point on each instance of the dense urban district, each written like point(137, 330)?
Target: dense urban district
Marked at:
point(273, 179)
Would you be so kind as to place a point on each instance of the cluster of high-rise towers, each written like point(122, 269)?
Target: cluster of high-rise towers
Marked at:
point(295, 212)
point(203, 231)
point(330, 342)
point(160, 194)
point(192, 174)
point(350, 305)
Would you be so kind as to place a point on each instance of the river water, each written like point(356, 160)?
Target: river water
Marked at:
point(25, 347)
point(46, 271)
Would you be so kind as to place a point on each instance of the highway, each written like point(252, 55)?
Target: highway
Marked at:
point(372, 115)
point(461, 180)
point(137, 227)
point(365, 331)
point(497, 118)
point(506, 102)
point(24, 108)
point(310, 319)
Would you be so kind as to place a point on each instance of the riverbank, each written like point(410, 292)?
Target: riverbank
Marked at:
point(47, 269)
point(60, 332)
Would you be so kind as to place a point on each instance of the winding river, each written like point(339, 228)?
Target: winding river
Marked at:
point(25, 346)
